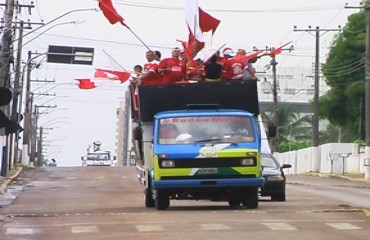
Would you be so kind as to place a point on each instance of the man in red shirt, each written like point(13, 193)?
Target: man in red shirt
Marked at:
point(150, 75)
point(173, 69)
point(233, 67)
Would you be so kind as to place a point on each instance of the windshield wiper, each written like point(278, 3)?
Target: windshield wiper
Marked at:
point(209, 140)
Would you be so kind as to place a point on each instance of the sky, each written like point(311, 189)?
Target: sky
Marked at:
point(85, 116)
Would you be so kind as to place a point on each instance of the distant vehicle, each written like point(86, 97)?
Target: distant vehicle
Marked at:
point(52, 163)
point(275, 179)
point(98, 158)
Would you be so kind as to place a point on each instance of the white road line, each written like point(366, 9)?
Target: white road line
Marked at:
point(215, 226)
point(84, 229)
point(343, 226)
point(149, 228)
point(280, 226)
point(19, 231)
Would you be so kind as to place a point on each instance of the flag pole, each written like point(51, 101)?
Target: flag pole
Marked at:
point(136, 35)
point(111, 58)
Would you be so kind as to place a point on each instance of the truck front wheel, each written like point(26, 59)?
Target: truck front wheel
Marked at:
point(162, 200)
point(234, 203)
point(251, 198)
point(148, 198)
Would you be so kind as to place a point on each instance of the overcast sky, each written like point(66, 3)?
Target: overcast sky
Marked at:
point(84, 116)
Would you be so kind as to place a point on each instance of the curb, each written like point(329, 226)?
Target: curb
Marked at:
point(331, 175)
point(10, 179)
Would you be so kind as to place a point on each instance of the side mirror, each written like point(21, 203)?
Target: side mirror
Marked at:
point(286, 166)
point(138, 133)
point(114, 158)
point(271, 130)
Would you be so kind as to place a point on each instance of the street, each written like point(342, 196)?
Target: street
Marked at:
point(107, 203)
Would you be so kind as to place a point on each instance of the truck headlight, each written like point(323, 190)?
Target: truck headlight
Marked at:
point(168, 164)
point(247, 162)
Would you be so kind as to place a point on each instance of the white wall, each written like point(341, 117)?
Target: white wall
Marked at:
point(333, 159)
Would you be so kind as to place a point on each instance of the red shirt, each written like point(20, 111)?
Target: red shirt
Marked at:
point(176, 72)
point(154, 78)
point(195, 73)
point(233, 69)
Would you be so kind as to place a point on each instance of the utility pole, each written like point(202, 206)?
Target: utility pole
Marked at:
point(367, 88)
point(271, 51)
point(276, 141)
point(16, 93)
point(315, 117)
point(4, 75)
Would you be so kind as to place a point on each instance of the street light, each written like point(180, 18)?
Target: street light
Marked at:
point(57, 18)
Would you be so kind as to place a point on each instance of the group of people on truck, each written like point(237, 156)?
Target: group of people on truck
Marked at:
point(179, 68)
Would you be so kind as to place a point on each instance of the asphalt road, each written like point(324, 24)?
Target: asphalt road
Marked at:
point(107, 203)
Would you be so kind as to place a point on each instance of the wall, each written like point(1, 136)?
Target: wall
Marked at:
point(337, 158)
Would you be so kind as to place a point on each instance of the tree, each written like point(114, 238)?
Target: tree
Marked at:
point(345, 74)
point(292, 127)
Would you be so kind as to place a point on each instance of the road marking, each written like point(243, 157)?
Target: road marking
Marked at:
point(343, 226)
point(99, 177)
point(19, 231)
point(71, 178)
point(280, 226)
point(84, 229)
point(215, 226)
point(149, 228)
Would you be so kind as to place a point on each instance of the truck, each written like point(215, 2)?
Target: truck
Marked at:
point(197, 141)
point(98, 157)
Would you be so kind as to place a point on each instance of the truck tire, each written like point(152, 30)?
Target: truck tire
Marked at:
point(162, 200)
point(251, 198)
point(234, 203)
point(148, 198)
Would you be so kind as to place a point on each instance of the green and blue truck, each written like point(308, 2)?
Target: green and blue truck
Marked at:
point(198, 141)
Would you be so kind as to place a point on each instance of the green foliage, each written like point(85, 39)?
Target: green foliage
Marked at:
point(293, 145)
point(344, 72)
point(292, 126)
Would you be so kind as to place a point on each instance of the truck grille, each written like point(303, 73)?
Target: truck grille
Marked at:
point(207, 177)
point(208, 162)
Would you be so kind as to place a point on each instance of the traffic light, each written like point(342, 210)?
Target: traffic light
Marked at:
point(5, 98)
point(11, 126)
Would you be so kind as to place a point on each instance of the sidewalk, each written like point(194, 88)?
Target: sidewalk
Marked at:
point(11, 175)
point(357, 177)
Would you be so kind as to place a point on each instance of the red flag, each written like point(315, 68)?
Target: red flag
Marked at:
point(85, 84)
point(278, 50)
point(188, 52)
point(207, 22)
point(248, 56)
point(123, 76)
point(110, 13)
point(198, 22)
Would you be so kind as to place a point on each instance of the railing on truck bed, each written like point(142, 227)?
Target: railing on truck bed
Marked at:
point(152, 99)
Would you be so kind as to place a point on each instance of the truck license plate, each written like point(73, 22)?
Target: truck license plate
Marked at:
point(208, 171)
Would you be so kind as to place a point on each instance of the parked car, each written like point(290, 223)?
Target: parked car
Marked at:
point(272, 171)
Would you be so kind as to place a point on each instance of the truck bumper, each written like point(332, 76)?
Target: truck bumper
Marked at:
point(208, 183)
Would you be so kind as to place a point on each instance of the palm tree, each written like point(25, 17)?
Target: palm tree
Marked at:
point(292, 125)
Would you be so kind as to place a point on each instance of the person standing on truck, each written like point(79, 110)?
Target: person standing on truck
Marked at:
point(213, 70)
point(150, 75)
point(233, 67)
point(173, 68)
point(249, 70)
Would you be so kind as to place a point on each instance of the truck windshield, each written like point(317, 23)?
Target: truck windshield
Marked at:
point(188, 130)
